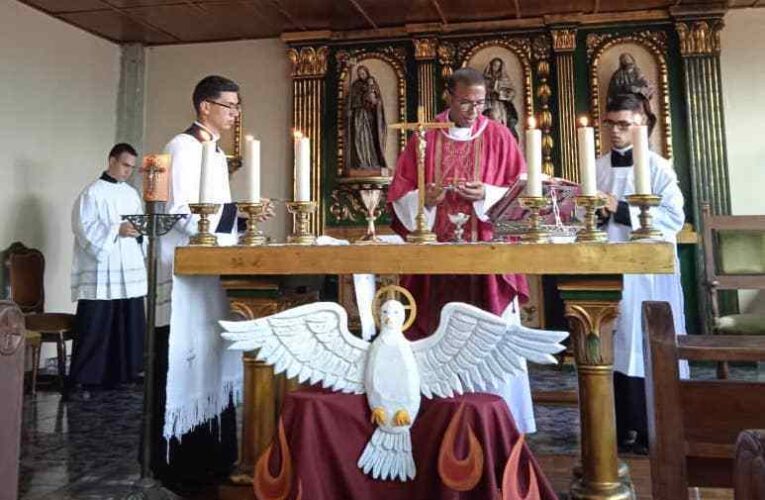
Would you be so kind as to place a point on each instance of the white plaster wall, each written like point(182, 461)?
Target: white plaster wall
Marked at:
point(262, 70)
point(58, 96)
point(743, 80)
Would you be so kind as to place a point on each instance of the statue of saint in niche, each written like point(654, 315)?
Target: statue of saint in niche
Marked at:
point(366, 127)
point(499, 95)
point(628, 79)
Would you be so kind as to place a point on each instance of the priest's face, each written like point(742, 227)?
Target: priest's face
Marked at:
point(466, 104)
point(219, 114)
point(619, 126)
point(122, 167)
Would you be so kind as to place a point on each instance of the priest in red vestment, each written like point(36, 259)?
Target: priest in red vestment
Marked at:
point(468, 168)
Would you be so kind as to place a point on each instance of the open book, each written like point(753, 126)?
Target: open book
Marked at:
point(509, 209)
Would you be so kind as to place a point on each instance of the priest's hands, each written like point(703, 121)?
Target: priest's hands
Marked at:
point(472, 191)
point(611, 202)
point(128, 231)
point(434, 195)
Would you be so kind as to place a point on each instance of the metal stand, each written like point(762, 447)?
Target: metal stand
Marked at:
point(301, 210)
point(591, 233)
point(644, 202)
point(253, 236)
point(203, 238)
point(534, 233)
point(152, 225)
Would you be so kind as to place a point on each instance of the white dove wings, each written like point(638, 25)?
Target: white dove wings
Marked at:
point(470, 349)
point(473, 348)
point(310, 342)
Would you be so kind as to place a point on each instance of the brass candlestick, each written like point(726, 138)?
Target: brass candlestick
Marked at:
point(204, 237)
point(644, 202)
point(252, 237)
point(534, 233)
point(301, 210)
point(591, 233)
point(370, 198)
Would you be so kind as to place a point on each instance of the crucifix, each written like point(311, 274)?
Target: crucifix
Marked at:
point(422, 234)
point(156, 183)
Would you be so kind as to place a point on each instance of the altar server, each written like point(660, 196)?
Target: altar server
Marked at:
point(108, 278)
point(616, 180)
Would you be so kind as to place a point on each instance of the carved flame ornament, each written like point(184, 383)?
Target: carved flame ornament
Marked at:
point(308, 62)
point(460, 475)
point(268, 486)
point(510, 489)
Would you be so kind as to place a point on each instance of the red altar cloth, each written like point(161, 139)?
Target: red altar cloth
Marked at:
point(326, 433)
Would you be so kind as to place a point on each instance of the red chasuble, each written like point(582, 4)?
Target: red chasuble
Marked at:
point(492, 156)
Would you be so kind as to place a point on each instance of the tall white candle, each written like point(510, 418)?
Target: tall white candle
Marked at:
point(586, 142)
point(251, 168)
point(533, 159)
point(642, 159)
point(302, 167)
point(207, 174)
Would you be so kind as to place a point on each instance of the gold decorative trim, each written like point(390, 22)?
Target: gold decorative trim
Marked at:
point(308, 62)
point(345, 203)
point(656, 43)
point(393, 56)
point(699, 38)
point(564, 40)
point(446, 54)
point(234, 160)
point(540, 52)
point(588, 320)
point(425, 49)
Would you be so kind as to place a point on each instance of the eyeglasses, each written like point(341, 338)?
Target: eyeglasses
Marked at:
point(470, 105)
point(621, 126)
point(230, 107)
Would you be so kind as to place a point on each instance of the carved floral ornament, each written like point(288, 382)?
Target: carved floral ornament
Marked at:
point(308, 61)
point(699, 37)
point(425, 48)
point(564, 40)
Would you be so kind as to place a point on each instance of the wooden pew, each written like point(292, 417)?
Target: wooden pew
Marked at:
point(693, 424)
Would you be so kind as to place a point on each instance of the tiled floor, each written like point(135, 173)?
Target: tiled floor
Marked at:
point(88, 449)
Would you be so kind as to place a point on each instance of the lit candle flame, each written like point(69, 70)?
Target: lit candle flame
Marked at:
point(532, 122)
point(583, 121)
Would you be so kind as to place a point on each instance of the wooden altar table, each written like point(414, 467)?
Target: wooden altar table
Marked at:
point(589, 280)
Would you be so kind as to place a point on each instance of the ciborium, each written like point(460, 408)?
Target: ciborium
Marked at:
point(203, 238)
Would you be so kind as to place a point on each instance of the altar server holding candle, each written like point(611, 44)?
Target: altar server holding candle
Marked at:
point(631, 168)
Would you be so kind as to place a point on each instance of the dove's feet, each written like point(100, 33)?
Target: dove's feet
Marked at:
point(378, 416)
point(402, 418)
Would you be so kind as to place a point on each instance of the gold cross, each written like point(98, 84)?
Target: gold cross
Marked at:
point(151, 167)
point(422, 234)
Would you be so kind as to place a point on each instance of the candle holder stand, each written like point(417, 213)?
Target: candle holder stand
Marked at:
point(644, 202)
point(534, 233)
point(301, 211)
point(252, 237)
point(203, 238)
point(591, 233)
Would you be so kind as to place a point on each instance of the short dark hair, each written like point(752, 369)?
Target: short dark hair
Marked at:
point(210, 87)
point(637, 103)
point(469, 77)
point(120, 148)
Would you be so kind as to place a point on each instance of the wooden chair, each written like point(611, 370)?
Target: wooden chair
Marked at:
point(25, 273)
point(693, 424)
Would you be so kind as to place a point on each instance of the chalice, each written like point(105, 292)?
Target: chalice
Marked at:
point(459, 220)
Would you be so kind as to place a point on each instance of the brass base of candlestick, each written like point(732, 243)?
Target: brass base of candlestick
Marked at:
point(203, 238)
point(534, 233)
point(252, 237)
point(301, 211)
point(421, 236)
point(644, 202)
point(591, 233)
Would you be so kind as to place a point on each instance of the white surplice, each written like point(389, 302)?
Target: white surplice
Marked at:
point(669, 218)
point(202, 374)
point(516, 391)
point(106, 266)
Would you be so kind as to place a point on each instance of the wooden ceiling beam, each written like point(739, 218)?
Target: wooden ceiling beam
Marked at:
point(366, 16)
point(517, 4)
point(289, 17)
point(440, 11)
point(146, 24)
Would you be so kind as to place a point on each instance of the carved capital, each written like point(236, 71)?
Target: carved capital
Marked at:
point(446, 54)
point(591, 325)
point(425, 49)
point(309, 62)
point(564, 40)
point(699, 38)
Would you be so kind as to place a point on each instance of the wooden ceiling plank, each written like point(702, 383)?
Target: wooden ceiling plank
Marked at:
point(517, 4)
point(140, 21)
point(440, 11)
point(596, 7)
point(280, 8)
point(364, 13)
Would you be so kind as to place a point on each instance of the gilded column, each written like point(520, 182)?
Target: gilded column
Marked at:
point(591, 306)
point(425, 55)
point(309, 68)
point(564, 45)
point(543, 94)
point(700, 50)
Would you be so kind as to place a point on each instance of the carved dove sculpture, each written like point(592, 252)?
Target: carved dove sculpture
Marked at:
point(470, 349)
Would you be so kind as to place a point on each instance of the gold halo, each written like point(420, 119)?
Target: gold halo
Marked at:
point(388, 292)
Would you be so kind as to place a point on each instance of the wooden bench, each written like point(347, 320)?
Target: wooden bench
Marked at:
point(693, 424)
